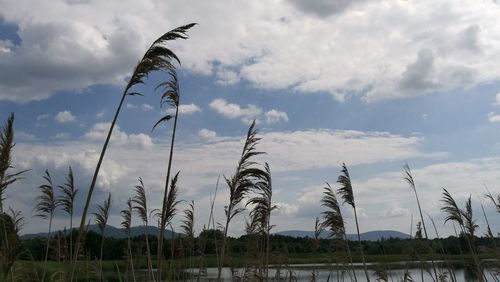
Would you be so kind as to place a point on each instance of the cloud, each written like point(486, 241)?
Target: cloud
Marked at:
point(26, 137)
point(147, 107)
point(286, 209)
point(276, 45)
point(142, 107)
point(65, 117)
point(275, 116)
point(324, 8)
point(247, 114)
point(231, 110)
point(207, 134)
point(201, 163)
point(100, 114)
point(62, 136)
point(493, 118)
point(185, 109)
point(99, 132)
point(497, 100)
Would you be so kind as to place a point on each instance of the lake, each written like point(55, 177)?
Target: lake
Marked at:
point(302, 272)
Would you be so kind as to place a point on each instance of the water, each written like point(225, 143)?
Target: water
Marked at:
point(302, 272)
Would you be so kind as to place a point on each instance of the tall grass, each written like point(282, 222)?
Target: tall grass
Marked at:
point(261, 212)
point(141, 208)
point(8, 246)
point(157, 58)
point(468, 226)
point(45, 208)
point(347, 195)
point(334, 221)
point(101, 219)
point(66, 201)
point(408, 177)
point(126, 224)
point(240, 184)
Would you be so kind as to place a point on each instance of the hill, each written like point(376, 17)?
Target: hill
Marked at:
point(366, 236)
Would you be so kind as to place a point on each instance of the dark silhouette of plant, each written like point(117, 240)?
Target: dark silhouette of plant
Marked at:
point(239, 184)
point(334, 221)
point(12, 223)
point(141, 208)
point(261, 212)
point(156, 58)
point(127, 224)
point(187, 227)
point(464, 218)
point(169, 212)
point(45, 208)
point(407, 176)
point(171, 97)
point(6, 145)
point(8, 247)
point(347, 195)
point(66, 201)
point(101, 219)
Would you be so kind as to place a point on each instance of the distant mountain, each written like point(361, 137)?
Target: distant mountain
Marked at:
point(367, 236)
point(111, 231)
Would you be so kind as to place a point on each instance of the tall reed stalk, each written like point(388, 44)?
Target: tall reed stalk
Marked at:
point(66, 201)
point(7, 247)
point(45, 208)
point(188, 231)
point(141, 208)
point(166, 216)
point(408, 177)
point(464, 219)
point(170, 96)
point(261, 212)
point(101, 219)
point(126, 225)
point(239, 184)
point(156, 58)
point(334, 221)
point(347, 195)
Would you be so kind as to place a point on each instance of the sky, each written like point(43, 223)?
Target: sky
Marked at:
point(375, 84)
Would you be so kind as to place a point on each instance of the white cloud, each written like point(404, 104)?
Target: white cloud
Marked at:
point(493, 118)
point(100, 114)
point(275, 116)
point(42, 117)
point(286, 209)
point(247, 114)
point(497, 100)
point(307, 46)
point(207, 134)
point(185, 109)
point(147, 107)
point(142, 107)
point(397, 211)
point(131, 106)
point(99, 132)
point(62, 136)
point(231, 110)
point(65, 117)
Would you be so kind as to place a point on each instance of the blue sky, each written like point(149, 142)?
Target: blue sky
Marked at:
point(373, 84)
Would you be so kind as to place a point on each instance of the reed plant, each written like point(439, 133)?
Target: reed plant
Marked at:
point(347, 195)
point(240, 184)
point(45, 208)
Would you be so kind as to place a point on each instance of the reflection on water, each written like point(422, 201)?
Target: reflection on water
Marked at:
point(328, 273)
